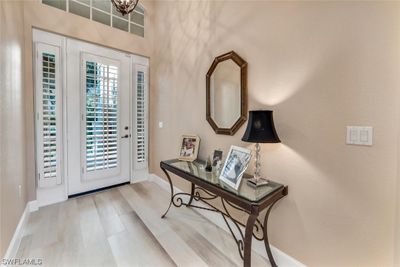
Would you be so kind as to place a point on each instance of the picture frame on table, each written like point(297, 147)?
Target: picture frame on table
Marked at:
point(217, 157)
point(235, 165)
point(189, 147)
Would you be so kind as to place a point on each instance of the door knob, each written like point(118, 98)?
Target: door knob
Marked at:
point(125, 136)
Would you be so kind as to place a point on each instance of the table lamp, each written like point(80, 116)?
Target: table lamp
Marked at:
point(260, 129)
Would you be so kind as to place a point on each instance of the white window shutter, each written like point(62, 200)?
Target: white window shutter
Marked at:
point(141, 117)
point(100, 121)
point(48, 102)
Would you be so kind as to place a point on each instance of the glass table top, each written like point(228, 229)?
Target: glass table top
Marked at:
point(197, 168)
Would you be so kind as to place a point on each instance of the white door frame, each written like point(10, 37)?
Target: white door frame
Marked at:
point(59, 193)
point(55, 193)
point(80, 180)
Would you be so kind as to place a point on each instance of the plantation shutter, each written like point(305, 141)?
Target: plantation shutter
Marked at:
point(48, 114)
point(141, 121)
point(100, 125)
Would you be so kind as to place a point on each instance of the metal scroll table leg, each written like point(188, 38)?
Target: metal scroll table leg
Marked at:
point(172, 193)
point(247, 240)
point(191, 195)
point(266, 242)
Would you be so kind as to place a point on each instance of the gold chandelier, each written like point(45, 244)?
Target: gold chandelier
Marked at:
point(125, 6)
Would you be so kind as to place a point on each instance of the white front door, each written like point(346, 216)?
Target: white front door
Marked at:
point(99, 129)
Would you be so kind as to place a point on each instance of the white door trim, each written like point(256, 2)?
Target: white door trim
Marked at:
point(58, 193)
point(80, 180)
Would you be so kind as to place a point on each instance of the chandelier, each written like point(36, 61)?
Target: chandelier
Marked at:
point(125, 6)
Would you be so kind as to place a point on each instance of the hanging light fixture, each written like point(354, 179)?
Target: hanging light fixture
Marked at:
point(125, 6)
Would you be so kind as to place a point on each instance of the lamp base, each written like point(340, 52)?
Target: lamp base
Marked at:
point(256, 183)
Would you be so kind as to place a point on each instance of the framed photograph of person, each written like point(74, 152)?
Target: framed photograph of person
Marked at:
point(235, 164)
point(189, 147)
point(217, 157)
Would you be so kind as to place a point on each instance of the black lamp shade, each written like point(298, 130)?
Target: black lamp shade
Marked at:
point(261, 128)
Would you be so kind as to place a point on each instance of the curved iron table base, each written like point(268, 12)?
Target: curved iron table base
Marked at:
point(253, 226)
point(172, 193)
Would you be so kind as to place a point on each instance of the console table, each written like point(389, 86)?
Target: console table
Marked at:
point(206, 186)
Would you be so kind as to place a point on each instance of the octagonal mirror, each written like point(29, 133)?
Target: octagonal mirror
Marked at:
point(226, 84)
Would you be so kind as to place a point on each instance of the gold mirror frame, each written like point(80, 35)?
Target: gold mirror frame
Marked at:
point(243, 93)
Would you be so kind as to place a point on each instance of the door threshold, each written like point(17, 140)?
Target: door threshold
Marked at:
point(97, 190)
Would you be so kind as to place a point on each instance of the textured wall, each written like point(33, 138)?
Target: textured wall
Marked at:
point(320, 66)
point(12, 120)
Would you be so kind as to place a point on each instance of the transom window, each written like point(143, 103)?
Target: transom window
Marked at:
point(104, 12)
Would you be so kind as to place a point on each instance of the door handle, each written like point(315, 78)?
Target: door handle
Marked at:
point(125, 136)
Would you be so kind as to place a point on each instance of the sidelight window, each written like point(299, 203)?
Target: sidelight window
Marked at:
point(48, 114)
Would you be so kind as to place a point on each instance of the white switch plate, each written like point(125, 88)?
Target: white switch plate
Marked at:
point(160, 124)
point(359, 135)
point(366, 136)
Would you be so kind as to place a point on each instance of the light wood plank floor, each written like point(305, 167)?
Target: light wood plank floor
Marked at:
point(122, 227)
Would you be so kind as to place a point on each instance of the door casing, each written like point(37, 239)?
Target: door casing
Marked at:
point(78, 52)
point(58, 193)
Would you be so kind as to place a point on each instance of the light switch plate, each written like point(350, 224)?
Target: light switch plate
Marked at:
point(366, 136)
point(352, 134)
point(160, 124)
point(359, 135)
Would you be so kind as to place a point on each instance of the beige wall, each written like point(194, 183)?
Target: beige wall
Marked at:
point(320, 66)
point(12, 113)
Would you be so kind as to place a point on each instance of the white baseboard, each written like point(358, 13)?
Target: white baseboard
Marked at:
point(19, 231)
point(50, 195)
point(281, 258)
point(33, 206)
point(140, 176)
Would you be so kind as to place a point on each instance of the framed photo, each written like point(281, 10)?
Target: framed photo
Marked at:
point(189, 147)
point(235, 164)
point(217, 157)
